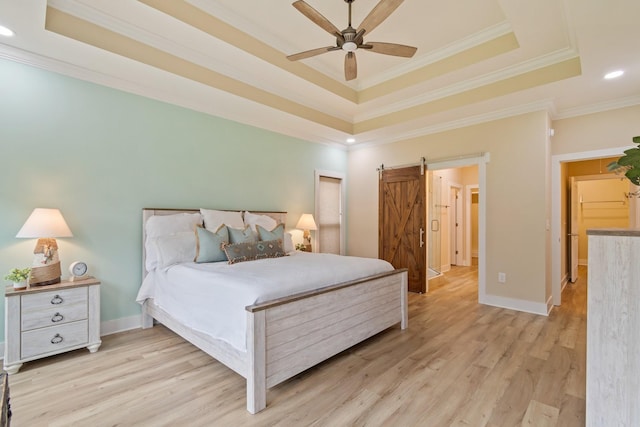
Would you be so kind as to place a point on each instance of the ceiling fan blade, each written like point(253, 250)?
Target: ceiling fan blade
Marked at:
point(316, 17)
point(379, 13)
point(390, 49)
point(310, 53)
point(350, 66)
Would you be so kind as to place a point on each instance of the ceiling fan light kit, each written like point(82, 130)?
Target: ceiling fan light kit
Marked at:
point(350, 40)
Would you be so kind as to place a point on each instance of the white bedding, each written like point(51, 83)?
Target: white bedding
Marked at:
point(212, 297)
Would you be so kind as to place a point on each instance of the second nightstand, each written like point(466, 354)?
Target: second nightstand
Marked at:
point(47, 320)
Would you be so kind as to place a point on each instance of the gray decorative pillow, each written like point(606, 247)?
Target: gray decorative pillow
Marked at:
point(237, 235)
point(276, 234)
point(238, 252)
point(209, 244)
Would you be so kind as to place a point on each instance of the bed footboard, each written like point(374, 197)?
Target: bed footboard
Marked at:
point(288, 336)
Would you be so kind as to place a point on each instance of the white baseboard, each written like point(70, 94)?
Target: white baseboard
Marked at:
point(107, 327)
point(540, 308)
point(550, 305)
point(564, 282)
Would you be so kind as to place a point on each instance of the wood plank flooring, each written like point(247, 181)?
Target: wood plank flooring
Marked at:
point(458, 364)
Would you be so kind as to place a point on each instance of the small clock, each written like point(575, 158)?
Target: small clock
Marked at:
point(78, 271)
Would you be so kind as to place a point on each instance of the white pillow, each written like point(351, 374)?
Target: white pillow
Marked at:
point(164, 251)
point(288, 242)
point(167, 225)
point(213, 219)
point(162, 225)
point(264, 221)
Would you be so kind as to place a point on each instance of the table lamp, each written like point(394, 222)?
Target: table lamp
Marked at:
point(307, 223)
point(45, 225)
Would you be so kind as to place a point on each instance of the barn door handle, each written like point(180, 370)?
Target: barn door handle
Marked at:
point(421, 237)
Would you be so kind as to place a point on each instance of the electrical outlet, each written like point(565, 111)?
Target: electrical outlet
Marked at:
point(502, 277)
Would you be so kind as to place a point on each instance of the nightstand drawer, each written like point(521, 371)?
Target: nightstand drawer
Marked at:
point(54, 338)
point(54, 315)
point(58, 298)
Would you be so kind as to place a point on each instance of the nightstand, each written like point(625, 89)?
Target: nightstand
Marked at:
point(45, 320)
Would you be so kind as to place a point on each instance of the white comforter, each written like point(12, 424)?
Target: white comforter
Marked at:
point(212, 297)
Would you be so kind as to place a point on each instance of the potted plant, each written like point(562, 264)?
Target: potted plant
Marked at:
point(629, 164)
point(18, 277)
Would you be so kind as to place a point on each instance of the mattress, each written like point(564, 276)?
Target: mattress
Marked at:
point(211, 297)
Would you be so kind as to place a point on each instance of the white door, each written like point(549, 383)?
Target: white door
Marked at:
point(573, 234)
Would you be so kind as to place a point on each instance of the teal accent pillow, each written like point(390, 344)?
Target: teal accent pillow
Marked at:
point(240, 252)
point(209, 244)
point(275, 234)
point(237, 235)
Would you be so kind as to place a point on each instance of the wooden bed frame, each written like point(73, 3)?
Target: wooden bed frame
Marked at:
point(289, 335)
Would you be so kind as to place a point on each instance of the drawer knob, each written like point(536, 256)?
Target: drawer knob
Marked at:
point(57, 339)
point(56, 300)
point(57, 318)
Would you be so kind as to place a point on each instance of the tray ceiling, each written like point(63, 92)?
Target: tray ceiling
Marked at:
point(477, 60)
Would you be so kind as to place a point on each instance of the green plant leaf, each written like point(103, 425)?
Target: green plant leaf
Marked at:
point(631, 158)
point(633, 175)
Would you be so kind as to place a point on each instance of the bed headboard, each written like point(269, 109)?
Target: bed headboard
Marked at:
point(279, 217)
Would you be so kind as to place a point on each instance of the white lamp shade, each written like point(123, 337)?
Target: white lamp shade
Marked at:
point(44, 223)
point(306, 222)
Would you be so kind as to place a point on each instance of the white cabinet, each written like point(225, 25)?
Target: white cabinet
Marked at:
point(613, 328)
point(47, 320)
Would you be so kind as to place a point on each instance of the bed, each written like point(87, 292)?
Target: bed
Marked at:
point(282, 335)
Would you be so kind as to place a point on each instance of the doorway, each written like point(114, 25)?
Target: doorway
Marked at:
point(559, 224)
point(330, 200)
point(480, 162)
point(596, 201)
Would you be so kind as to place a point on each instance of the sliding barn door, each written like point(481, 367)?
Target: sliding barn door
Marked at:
point(401, 219)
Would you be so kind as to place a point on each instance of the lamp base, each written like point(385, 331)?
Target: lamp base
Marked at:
point(45, 269)
point(45, 275)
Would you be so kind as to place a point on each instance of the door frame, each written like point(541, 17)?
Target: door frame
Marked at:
point(343, 202)
point(469, 191)
point(456, 215)
point(572, 230)
point(558, 282)
point(481, 161)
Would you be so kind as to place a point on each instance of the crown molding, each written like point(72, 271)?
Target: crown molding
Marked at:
point(31, 59)
point(91, 14)
point(469, 84)
point(543, 105)
point(219, 11)
point(429, 58)
point(596, 108)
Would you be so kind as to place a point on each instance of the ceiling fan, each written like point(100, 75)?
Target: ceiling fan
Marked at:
point(350, 39)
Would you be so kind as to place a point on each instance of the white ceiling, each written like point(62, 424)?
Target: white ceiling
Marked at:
point(603, 35)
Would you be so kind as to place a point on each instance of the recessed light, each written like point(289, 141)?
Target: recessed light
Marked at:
point(350, 140)
point(4, 31)
point(613, 74)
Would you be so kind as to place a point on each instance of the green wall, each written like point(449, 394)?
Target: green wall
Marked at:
point(100, 155)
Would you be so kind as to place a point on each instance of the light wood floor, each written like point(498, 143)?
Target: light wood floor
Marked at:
point(458, 364)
